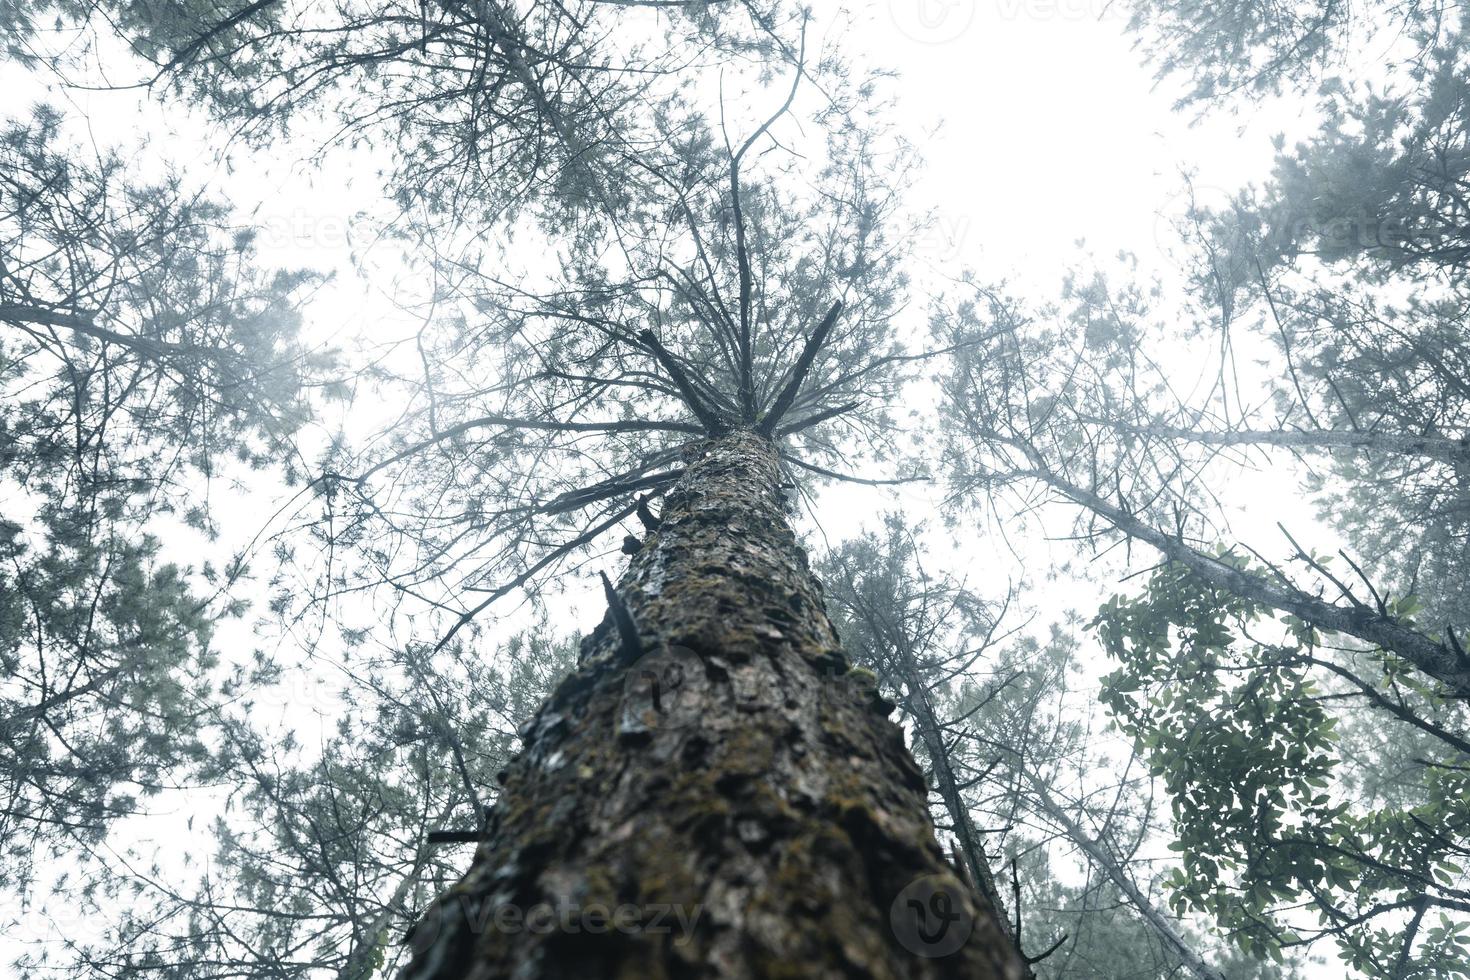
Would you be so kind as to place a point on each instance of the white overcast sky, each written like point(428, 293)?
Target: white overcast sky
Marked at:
point(1038, 122)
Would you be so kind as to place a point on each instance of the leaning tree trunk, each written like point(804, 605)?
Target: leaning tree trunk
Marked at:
point(926, 722)
point(712, 793)
point(1099, 852)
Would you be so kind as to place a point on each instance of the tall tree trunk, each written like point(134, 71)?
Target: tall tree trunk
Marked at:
point(920, 707)
point(1437, 447)
point(1444, 660)
point(712, 793)
point(1101, 854)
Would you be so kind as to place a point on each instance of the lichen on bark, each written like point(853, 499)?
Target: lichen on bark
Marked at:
point(720, 797)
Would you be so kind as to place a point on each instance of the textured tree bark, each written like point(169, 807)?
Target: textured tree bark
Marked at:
point(717, 796)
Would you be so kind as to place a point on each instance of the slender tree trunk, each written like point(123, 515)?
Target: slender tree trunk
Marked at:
point(1438, 447)
point(926, 722)
point(1118, 874)
point(712, 793)
point(364, 955)
point(1441, 659)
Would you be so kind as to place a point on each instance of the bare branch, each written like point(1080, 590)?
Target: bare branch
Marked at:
point(809, 352)
point(710, 417)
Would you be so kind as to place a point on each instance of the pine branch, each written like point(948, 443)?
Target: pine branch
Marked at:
point(561, 551)
point(852, 479)
point(714, 423)
point(818, 419)
point(803, 366)
point(549, 425)
point(742, 253)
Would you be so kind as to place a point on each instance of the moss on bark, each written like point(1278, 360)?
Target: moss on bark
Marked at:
point(720, 798)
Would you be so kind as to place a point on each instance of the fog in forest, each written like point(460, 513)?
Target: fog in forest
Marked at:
point(632, 488)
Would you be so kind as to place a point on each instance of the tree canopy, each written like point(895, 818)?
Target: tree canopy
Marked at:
point(1185, 731)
